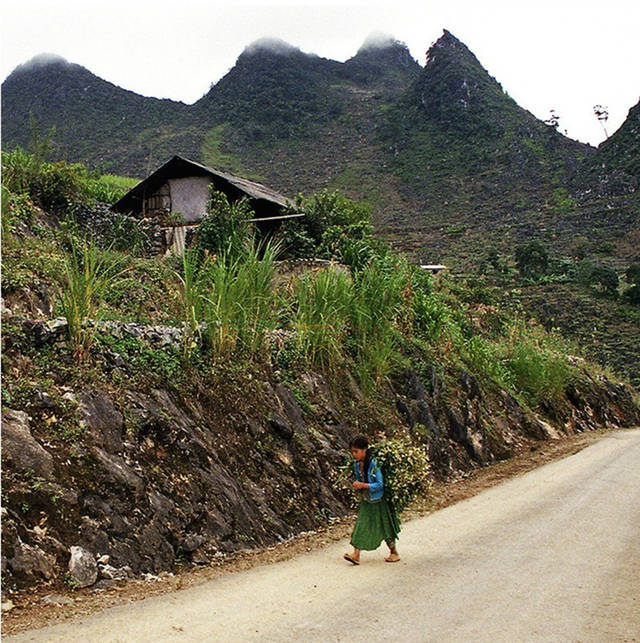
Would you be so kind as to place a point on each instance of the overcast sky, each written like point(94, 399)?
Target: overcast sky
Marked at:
point(561, 55)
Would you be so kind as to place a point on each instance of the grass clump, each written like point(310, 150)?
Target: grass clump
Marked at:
point(239, 302)
point(89, 272)
point(322, 304)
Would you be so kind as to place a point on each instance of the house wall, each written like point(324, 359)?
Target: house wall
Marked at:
point(189, 196)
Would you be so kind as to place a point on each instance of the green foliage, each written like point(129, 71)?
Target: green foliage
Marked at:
point(327, 209)
point(583, 272)
point(382, 309)
point(212, 150)
point(532, 259)
point(291, 95)
point(106, 188)
point(322, 303)
point(493, 262)
point(225, 229)
point(430, 316)
point(334, 227)
point(580, 247)
point(405, 468)
point(297, 240)
point(563, 202)
point(632, 295)
point(604, 280)
point(163, 364)
point(56, 186)
point(526, 361)
point(89, 274)
point(239, 302)
point(52, 186)
point(536, 372)
point(8, 218)
point(485, 357)
point(632, 273)
point(195, 281)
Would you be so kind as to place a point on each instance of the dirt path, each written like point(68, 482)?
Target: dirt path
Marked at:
point(550, 555)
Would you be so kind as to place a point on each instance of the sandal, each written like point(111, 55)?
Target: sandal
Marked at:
point(351, 559)
point(392, 558)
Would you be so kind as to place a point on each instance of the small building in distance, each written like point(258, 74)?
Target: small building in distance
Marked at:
point(433, 268)
point(176, 195)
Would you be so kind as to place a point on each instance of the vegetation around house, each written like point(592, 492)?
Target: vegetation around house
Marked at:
point(366, 314)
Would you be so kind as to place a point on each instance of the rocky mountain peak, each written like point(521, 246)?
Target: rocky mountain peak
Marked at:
point(455, 90)
point(383, 60)
point(378, 40)
point(270, 45)
point(42, 61)
point(450, 47)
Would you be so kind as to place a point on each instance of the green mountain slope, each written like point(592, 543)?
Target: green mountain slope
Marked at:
point(450, 163)
point(94, 120)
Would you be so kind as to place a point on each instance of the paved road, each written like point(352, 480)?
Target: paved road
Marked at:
point(553, 555)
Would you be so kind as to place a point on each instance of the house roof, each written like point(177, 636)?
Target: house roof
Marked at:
point(179, 167)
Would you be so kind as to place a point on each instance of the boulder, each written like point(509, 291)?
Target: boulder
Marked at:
point(20, 450)
point(83, 568)
point(30, 562)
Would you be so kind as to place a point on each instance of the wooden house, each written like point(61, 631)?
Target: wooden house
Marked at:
point(176, 196)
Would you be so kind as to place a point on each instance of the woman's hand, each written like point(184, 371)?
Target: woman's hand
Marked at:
point(360, 485)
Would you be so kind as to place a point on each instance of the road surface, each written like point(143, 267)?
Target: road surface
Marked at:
point(553, 555)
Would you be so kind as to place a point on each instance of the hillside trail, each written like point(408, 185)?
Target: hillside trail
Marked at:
point(552, 555)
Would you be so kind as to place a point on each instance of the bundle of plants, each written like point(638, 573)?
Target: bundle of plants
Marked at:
point(405, 471)
point(405, 468)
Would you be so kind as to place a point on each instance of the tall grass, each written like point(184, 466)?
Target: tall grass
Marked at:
point(381, 310)
point(195, 280)
point(322, 303)
point(526, 361)
point(537, 365)
point(89, 273)
point(239, 305)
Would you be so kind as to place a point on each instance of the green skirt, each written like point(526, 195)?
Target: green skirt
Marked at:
point(377, 521)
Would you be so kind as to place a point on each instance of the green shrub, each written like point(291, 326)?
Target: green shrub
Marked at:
point(326, 209)
point(583, 272)
point(632, 273)
point(604, 280)
point(532, 259)
point(334, 227)
point(536, 372)
point(56, 186)
point(225, 229)
point(632, 295)
point(486, 358)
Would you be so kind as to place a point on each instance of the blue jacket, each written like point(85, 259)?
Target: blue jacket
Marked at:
point(374, 478)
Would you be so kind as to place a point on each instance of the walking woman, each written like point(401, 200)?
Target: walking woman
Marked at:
point(377, 519)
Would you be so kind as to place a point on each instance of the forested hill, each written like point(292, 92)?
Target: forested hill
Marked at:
point(448, 160)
